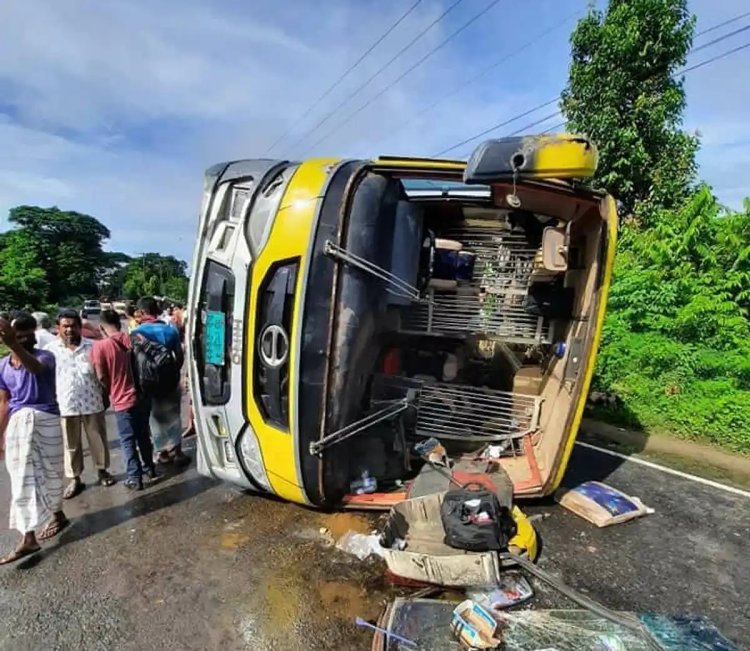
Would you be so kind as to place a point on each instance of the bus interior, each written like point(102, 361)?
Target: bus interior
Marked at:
point(463, 313)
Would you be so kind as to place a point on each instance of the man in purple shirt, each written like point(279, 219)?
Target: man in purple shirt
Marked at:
point(30, 437)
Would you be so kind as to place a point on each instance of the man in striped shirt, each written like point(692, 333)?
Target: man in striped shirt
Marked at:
point(30, 437)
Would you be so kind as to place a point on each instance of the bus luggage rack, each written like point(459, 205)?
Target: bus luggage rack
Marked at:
point(452, 411)
point(488, 314)
point(492, 304)
point(446, 411)
point(504, 260)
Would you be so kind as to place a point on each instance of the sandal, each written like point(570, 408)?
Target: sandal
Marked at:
point(53, 528)
point(164, 458)
point(18, 553)
point(74, 488)
point(105, 479)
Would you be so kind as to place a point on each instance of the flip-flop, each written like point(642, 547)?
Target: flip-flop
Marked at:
point(52, 529)
point(164, 459)
point(18, 554)
point(76, 489)
point(107, 480)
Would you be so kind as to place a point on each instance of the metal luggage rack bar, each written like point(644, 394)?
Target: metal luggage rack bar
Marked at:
point(489, 315)
point(394, 284)
point(389, 411)
point(466, 413)
point(504, 259)
point(492, 304)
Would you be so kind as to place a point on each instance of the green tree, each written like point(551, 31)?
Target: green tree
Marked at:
point(622, 92)
point(22, 277)
point(68, 246)
point(676, 342)
point(112, 279)
point(154, 274)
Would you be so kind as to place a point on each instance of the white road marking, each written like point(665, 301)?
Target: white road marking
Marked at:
point(670, 471)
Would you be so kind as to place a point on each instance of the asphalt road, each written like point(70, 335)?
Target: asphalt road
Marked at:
point(689, 557)
point(194, 564)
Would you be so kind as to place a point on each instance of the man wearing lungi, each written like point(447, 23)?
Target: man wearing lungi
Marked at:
point(30, 437)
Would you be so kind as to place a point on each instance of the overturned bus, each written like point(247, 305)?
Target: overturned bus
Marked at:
point(342, 311)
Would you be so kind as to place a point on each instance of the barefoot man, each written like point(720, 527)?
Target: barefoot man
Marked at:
point(30, 436)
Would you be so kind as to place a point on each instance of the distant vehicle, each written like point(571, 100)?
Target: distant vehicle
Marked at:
point(91, 308)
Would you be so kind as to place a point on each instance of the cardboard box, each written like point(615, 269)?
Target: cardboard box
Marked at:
point(474, 627)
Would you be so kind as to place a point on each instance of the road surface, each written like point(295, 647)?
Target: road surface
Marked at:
point(194, 564)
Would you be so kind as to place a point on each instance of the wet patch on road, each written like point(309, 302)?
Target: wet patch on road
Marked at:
point(191, 564)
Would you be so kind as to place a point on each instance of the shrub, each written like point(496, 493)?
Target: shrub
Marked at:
point(676, 343)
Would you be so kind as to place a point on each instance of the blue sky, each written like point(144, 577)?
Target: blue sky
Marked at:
point(116, 108)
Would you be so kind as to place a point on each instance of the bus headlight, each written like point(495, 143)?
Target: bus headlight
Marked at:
point(251, 459)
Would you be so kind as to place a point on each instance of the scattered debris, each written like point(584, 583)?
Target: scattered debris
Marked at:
point(426, 557)
point(326, 537)
point(429, 623)
point(601, 504)
point(361, 622)
point(495, 451)
point(512, 589)
point(360, 545)
point(365, 485)
point(474, 627)
point(432, 451)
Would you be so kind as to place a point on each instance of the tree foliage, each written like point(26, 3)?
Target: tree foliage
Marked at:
point(622, 92)
point(154, 274)
point(676, 343)
point(68, 246)
point(56, 257)
point(22, 278)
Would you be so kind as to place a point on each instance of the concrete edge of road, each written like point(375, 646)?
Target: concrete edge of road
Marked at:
point(687, 457)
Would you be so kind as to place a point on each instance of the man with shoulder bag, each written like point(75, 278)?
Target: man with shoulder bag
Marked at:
point(158, 358)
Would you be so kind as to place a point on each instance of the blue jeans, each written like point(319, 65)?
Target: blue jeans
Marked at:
point(132, 428)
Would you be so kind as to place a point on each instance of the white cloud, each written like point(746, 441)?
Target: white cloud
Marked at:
point(115, 108)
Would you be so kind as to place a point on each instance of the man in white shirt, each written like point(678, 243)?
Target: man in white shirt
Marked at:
point(80, 397)
point(43, 325)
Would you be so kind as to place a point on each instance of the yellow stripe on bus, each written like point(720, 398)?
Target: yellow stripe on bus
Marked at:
point(289, 238)
point(591, 360)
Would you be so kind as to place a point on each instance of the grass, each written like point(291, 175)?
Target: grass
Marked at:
point(3, 350)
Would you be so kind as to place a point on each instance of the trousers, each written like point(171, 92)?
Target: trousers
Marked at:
point(96, 434)
point(135, 440)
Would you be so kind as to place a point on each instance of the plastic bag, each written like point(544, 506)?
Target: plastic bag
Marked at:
point(360, 545)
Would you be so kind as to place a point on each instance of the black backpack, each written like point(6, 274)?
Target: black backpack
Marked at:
point(155, 368)
point(462, 528)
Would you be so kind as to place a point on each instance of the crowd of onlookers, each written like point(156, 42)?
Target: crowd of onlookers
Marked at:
point(56, 387)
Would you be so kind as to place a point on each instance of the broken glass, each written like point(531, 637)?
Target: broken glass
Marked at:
point(427, 623)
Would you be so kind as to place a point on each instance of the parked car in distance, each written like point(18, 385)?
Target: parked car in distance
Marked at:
point(91, 308)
